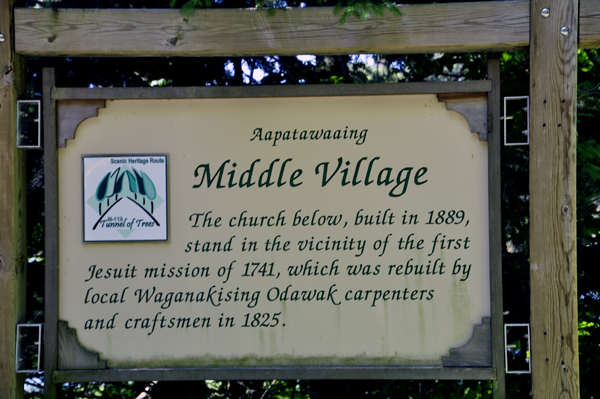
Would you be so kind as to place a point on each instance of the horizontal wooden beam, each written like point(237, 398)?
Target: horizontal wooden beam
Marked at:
point(126, 93)
point(454, 27)
point(589, 24)
point(304, 373)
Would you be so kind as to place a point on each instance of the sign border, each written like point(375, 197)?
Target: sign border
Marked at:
point(53, 96)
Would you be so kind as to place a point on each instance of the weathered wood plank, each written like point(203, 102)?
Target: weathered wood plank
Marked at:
point(505, 26)
point(258, 373)
point(123, 93)
point(51, 230)
point(495, 195)
point(13, 256)
point(553, 264)
point(456, 27)
point(589, 24)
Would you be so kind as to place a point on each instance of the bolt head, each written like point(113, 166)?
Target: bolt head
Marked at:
point(564, 31)
point(1, 37)
point(545, 12)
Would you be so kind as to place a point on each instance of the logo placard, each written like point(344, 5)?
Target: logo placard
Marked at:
point(125, 198)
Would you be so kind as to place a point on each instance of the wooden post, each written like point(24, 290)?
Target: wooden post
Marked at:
point(499, 385)
point(13, 255)
point(51, 211)
point(553, 91)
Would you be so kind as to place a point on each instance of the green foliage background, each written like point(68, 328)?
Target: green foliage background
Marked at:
point(221, 71)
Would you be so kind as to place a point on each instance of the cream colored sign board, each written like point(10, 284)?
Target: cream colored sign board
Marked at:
point(302, 231)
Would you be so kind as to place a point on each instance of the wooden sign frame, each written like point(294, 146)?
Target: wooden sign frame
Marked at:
point(65, 108)
point(486, 26)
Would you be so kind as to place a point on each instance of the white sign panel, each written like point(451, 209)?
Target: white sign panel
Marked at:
point(125, 198)
point(302, 231)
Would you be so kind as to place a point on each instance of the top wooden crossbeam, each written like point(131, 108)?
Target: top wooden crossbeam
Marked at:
point(455, 27)
point(589, 24)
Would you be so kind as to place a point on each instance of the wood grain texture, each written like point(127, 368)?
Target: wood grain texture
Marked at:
point(494, 193)
point(70, 113)
point(477, 352)
point(474, 109)
point(589, 24)
point(460, 27)
point(51, 230)
point(269, 373)
point(71, 354)
point(261, 91)
point(553, 264)
point(13, 256)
